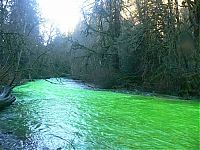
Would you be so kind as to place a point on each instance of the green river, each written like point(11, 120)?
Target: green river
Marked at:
point(71, 115)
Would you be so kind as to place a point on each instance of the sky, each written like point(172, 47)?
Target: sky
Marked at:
point(64, 14)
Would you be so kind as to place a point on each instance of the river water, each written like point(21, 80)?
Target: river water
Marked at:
point(69, 115)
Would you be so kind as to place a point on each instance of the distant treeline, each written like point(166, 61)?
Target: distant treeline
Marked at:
point(152, 45)
point(146, 44)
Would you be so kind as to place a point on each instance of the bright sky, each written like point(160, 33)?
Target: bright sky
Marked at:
point(64, 14)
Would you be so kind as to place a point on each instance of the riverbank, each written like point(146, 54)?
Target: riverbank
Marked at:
point(121, 86)
point(139, 90)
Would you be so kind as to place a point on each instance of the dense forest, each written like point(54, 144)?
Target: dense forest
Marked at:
point(151, 45)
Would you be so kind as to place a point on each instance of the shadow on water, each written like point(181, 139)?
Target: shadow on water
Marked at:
point(72, 116)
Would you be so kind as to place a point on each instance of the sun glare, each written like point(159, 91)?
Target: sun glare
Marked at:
point(64, 14)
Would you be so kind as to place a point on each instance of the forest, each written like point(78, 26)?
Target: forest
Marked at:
point(126, 77)
point(148, 45)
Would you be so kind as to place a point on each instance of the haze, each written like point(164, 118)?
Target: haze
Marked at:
point(64, 14)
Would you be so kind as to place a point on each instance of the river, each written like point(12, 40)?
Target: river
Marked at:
point(70, 115)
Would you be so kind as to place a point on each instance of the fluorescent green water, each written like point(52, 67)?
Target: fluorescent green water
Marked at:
point(70, 116)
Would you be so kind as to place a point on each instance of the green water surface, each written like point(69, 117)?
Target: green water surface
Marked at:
point(71, 116)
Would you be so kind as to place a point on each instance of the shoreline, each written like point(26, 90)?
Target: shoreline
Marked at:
point(133, 91)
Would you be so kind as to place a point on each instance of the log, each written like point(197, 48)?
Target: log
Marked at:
point(6, 98)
